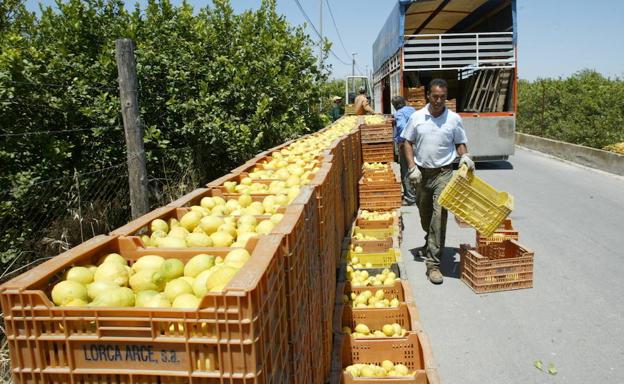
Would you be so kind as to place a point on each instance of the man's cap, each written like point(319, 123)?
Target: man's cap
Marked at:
point(336, 98)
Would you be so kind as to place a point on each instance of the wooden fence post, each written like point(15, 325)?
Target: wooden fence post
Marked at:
point(137, 173)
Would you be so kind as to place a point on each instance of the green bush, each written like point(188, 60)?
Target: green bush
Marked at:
point(585, 109)
point(226, 85)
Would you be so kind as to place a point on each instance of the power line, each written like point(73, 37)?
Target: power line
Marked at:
point(55, 132)
point(336, 26)
point(318, 33)
point(359, 68)
point(53, 85)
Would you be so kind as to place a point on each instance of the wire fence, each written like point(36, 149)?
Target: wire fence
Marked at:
point(174, 175)
point(63, 212)
point(60, 213)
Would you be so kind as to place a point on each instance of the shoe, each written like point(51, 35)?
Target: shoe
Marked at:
point(435, 276)
point(420, 253)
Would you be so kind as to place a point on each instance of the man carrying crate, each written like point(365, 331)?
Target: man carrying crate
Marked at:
point(434, 137)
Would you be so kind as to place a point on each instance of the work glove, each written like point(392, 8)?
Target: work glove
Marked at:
point(414, 177)
point(465, 159)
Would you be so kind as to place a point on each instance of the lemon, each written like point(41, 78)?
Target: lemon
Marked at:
point(148, 262)
point(171, 269)
point(265, 227)
point(112, 272)
point(190, 220)
point(198, 264)
point(147, 279)
point(159, 225)
point(362, 328)
point(207, 202)
point(198, 240)
point(222, 239)
point(97, 287)
point(157, 301)
point(388, 330)
point(67, 291)
point(177, 287)
point(210, 224)
point(185, 301)
point(220, 277)
point(114, 257)
point(237, 258)
point(142, 297)
point(80, 275)
point(171, 242)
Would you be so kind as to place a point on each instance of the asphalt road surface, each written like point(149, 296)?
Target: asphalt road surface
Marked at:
point(573, 219)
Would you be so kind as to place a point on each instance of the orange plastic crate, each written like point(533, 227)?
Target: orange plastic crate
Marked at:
point(497, 267)
point(414, 351)
point(375, 318)
point(377, 224)
point(505, 231)
point(240, 330)
point(399, 290)
point(382, 153)
point(376, 133)
point(372, 246)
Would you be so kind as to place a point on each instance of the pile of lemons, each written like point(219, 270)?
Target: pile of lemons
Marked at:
point(387, 369)
point(368, 299)
point(151, 281)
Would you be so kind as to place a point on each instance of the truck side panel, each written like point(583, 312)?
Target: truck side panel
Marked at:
point(490, 137)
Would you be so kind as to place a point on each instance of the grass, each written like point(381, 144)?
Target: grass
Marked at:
point(5, 360)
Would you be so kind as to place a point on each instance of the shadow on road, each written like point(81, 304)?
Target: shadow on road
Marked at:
point(448, 266)
point(493, 165)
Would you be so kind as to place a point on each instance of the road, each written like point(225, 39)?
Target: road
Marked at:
point(573, 219)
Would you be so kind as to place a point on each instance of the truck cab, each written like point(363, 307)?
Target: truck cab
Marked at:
point(469, 43)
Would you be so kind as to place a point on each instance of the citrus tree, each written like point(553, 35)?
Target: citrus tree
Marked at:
point(586, 108)
point(226, 85)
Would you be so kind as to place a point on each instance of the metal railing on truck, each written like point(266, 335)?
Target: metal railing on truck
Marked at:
point(430, 52)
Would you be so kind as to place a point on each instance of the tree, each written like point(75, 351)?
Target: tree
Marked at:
point(585, 109)
point(228, 85)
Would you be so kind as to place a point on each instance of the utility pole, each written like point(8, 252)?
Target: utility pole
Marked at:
point(137, 172)
point(353, 72)
point(321, 33)
point(321, 47)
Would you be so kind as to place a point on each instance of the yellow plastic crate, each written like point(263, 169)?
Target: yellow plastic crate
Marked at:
point(377, 259)
point(379, 233)
point(476, 202)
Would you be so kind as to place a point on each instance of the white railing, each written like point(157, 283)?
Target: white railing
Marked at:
point(459, 51)
point(391, 65)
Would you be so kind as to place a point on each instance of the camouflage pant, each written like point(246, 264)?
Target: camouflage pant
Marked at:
point(432, 215)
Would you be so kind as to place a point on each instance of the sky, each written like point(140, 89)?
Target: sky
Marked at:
point(555, 38)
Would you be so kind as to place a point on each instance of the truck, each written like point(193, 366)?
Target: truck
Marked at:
point(469, 43)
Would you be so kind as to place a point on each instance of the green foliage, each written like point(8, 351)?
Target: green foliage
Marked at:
point(585, 109)
point(330, 89)
point(228, 85)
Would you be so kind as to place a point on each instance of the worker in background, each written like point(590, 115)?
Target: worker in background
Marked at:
point(336, 111)
point(402, 113)
point(434, 137)
point(361, 103)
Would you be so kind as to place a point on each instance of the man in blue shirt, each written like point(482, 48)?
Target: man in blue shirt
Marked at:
point(401, 116)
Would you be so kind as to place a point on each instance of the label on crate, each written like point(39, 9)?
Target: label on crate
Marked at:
point(98, 354)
